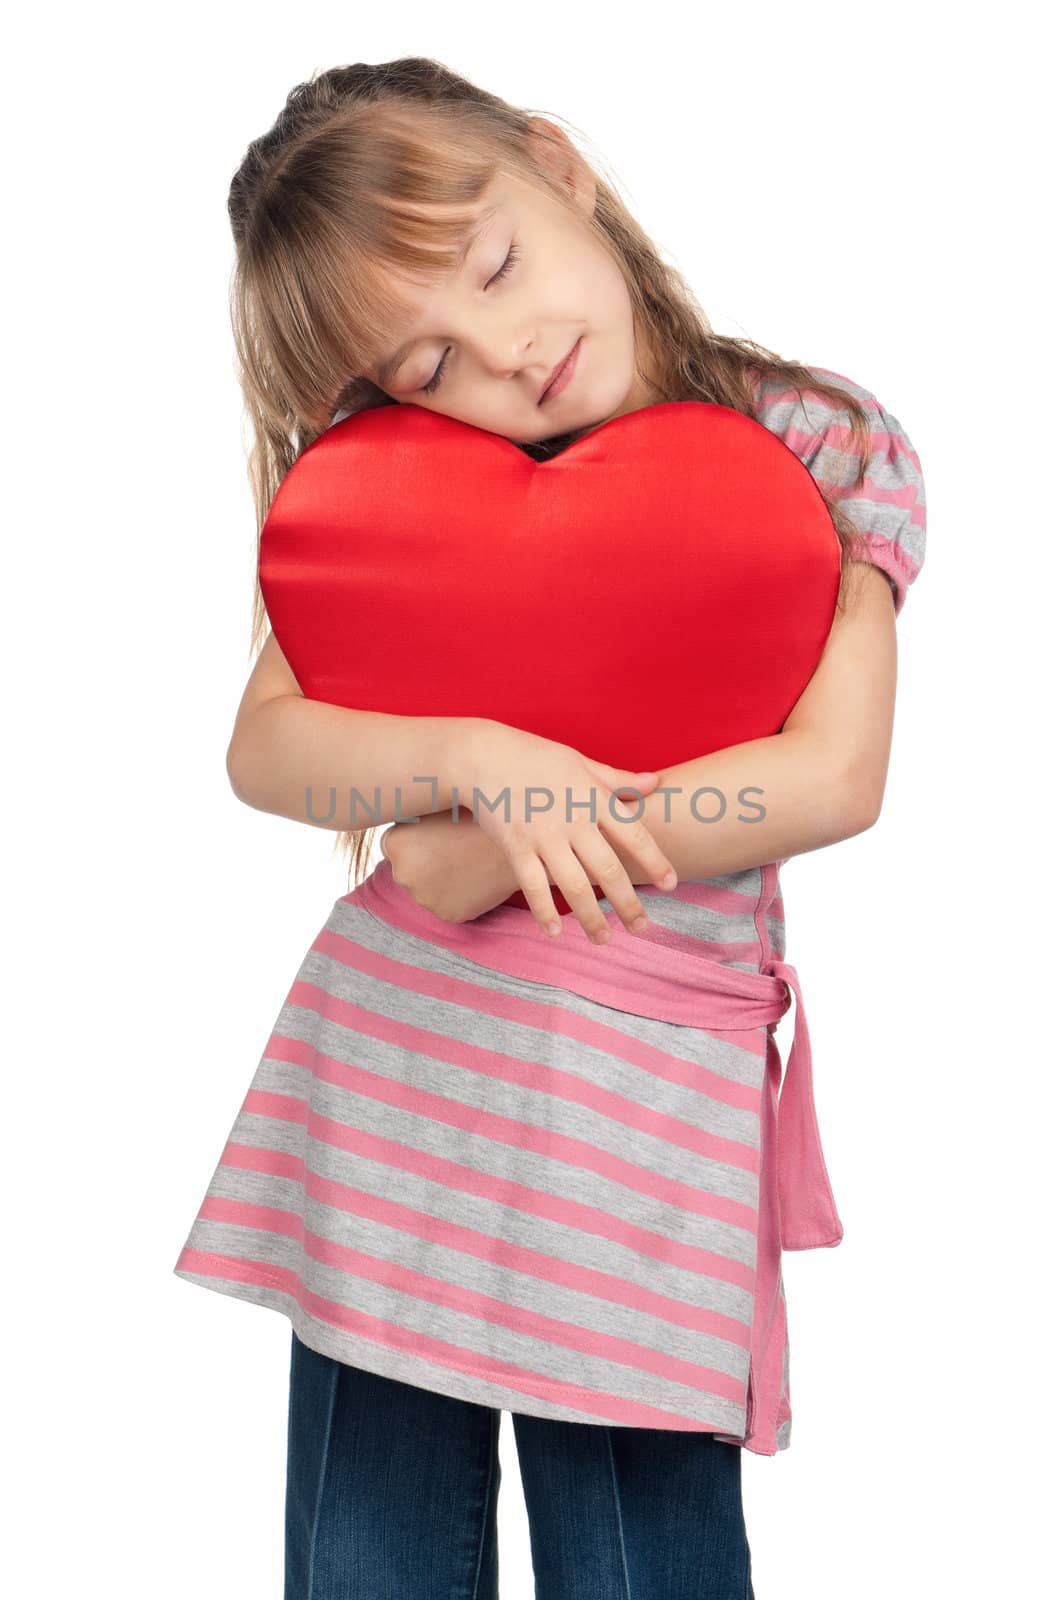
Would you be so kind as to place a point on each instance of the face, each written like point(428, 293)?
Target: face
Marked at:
point(482, 344)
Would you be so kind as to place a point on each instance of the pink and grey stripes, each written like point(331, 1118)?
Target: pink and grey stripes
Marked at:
point(888, 505)
point(530, 1177)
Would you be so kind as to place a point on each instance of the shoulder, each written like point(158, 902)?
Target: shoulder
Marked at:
point(887, 502)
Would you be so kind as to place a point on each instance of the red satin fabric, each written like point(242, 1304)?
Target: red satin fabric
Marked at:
point(661, 589)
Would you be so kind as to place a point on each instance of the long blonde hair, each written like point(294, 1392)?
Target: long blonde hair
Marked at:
point(347, 190)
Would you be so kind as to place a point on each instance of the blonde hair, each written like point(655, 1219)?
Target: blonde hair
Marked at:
point(372, 173)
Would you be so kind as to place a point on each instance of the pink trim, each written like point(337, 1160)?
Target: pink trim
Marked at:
point(343, 1319)
point(769, 887)
point(877, 550)
point(769, 1322)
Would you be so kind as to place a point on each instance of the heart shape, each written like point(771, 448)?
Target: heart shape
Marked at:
point(662, 588)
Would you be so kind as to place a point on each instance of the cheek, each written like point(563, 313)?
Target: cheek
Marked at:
point(579, 282)
point(605, 291)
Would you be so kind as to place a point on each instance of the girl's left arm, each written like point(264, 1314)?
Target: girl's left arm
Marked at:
point(820, 780)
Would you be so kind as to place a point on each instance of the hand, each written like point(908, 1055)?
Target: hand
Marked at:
point(575, 853)
point(448, 866)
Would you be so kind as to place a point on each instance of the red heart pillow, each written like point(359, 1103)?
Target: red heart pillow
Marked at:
point(661, 589)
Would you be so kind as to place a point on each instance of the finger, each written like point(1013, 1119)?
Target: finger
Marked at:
point(532, 879)
point(636, 840)
point(612, 794)
point(605, 868)
point(571, 878)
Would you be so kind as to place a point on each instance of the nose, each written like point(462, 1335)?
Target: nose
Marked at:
point(506, 352)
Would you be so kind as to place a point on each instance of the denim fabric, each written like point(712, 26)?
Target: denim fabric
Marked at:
point(392, 1491)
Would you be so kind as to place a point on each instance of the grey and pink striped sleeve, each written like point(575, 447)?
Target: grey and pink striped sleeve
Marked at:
point(888, 504)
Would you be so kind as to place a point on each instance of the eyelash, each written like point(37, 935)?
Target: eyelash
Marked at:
point(437, 377)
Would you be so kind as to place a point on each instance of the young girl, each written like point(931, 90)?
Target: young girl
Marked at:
point(458, 1172)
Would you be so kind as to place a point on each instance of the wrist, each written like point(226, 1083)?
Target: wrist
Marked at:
point(459, 759)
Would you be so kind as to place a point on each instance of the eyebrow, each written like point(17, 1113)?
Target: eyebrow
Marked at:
point(388, 368)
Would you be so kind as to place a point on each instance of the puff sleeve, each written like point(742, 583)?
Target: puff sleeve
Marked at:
point(888, 505)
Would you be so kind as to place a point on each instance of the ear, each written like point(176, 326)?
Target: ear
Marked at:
point(552, 148)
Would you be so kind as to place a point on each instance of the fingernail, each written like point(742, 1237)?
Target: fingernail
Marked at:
point(553, 928)
point(601, 936)
point(669, 880)
point(640, 923)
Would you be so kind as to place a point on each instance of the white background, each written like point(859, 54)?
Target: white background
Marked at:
point(866, 189)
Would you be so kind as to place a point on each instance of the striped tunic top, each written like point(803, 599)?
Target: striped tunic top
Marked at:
point(553, 1177)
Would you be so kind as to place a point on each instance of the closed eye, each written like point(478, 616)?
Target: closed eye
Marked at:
point(507, 266)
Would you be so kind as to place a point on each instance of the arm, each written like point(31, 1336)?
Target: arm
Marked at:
point(338, 768)
point(823, 778)
point(283, 744)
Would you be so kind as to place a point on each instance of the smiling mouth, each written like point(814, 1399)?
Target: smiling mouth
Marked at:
point(561, 374)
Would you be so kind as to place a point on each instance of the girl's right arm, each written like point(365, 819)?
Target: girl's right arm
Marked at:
point(283, 745)
point(337, 768)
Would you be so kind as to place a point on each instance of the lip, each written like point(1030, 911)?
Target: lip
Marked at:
point(561, 376)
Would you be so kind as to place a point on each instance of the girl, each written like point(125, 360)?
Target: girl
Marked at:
point(451, 1233)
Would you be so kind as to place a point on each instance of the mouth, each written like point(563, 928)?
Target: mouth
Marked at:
point(561, 374)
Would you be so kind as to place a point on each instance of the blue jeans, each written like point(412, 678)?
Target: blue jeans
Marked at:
point(392, 1492)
